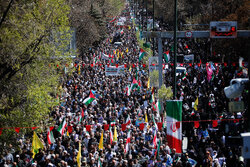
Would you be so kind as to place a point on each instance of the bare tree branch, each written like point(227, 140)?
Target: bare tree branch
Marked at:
point(6, 12)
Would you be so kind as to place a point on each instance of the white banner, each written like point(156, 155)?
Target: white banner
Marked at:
point(114, 71)
point(105, 57)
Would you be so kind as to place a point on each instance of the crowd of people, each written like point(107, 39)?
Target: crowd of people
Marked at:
point(207, 145)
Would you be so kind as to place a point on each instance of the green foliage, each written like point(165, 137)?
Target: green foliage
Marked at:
point(154, 78)
point(165, 93)
point(34, 39)
point(148, 50)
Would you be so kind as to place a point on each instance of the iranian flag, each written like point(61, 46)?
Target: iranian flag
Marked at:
point(152, 100)
point(155, 139)
point(156, 127)
point(112, 123)
point(157, 153)
point(128, 92)
point(89, 99)
point(127, 142)
point(174, 125)
point(99, 162)
point(141, 54)
point(134, 84)
point(184, 76)
point(111, 21)
point(128, 121)
point(80, 118)
point(62, 127)
point(50, 136)
point(110, 135)
point(166, 56)
point(158, 107)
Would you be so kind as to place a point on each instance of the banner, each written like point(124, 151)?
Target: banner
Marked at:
point(105, 57)
point(114, 71)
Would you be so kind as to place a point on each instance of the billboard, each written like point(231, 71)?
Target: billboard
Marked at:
point(223, 29)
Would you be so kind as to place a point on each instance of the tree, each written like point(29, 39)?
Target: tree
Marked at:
point(165, 93)
point(90, 17)
point(34, 40)
point(154, 78)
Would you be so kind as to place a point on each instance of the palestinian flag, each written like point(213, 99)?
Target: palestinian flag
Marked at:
point(174, 125)
point(89, 99)
point(50, 136)
point(141, 54)
point(166, 56)
point(134, 84)
point(127, 142)
point(110, 135)
point(62, 127)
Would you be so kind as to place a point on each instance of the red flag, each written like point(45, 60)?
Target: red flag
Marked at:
point(141, 126)
point(125, 65)
point(33, 128)
point(225, 64)
point(17, 130)
point(144, 65)
point(236, 120)
point(106, 127)
point(215, 123)
point(159, 124)
point(133, 66)
point(1, 132)
point(70, 129)
point(124, 127)
point(92, 65)
point(82, 113)
point(196, 124)
point(88, 127)
point(51, 128)
point(116, 65)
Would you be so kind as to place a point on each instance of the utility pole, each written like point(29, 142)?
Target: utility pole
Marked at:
point(146, 18)
point(153, 27)
point(175, 47)
point(160, 59)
